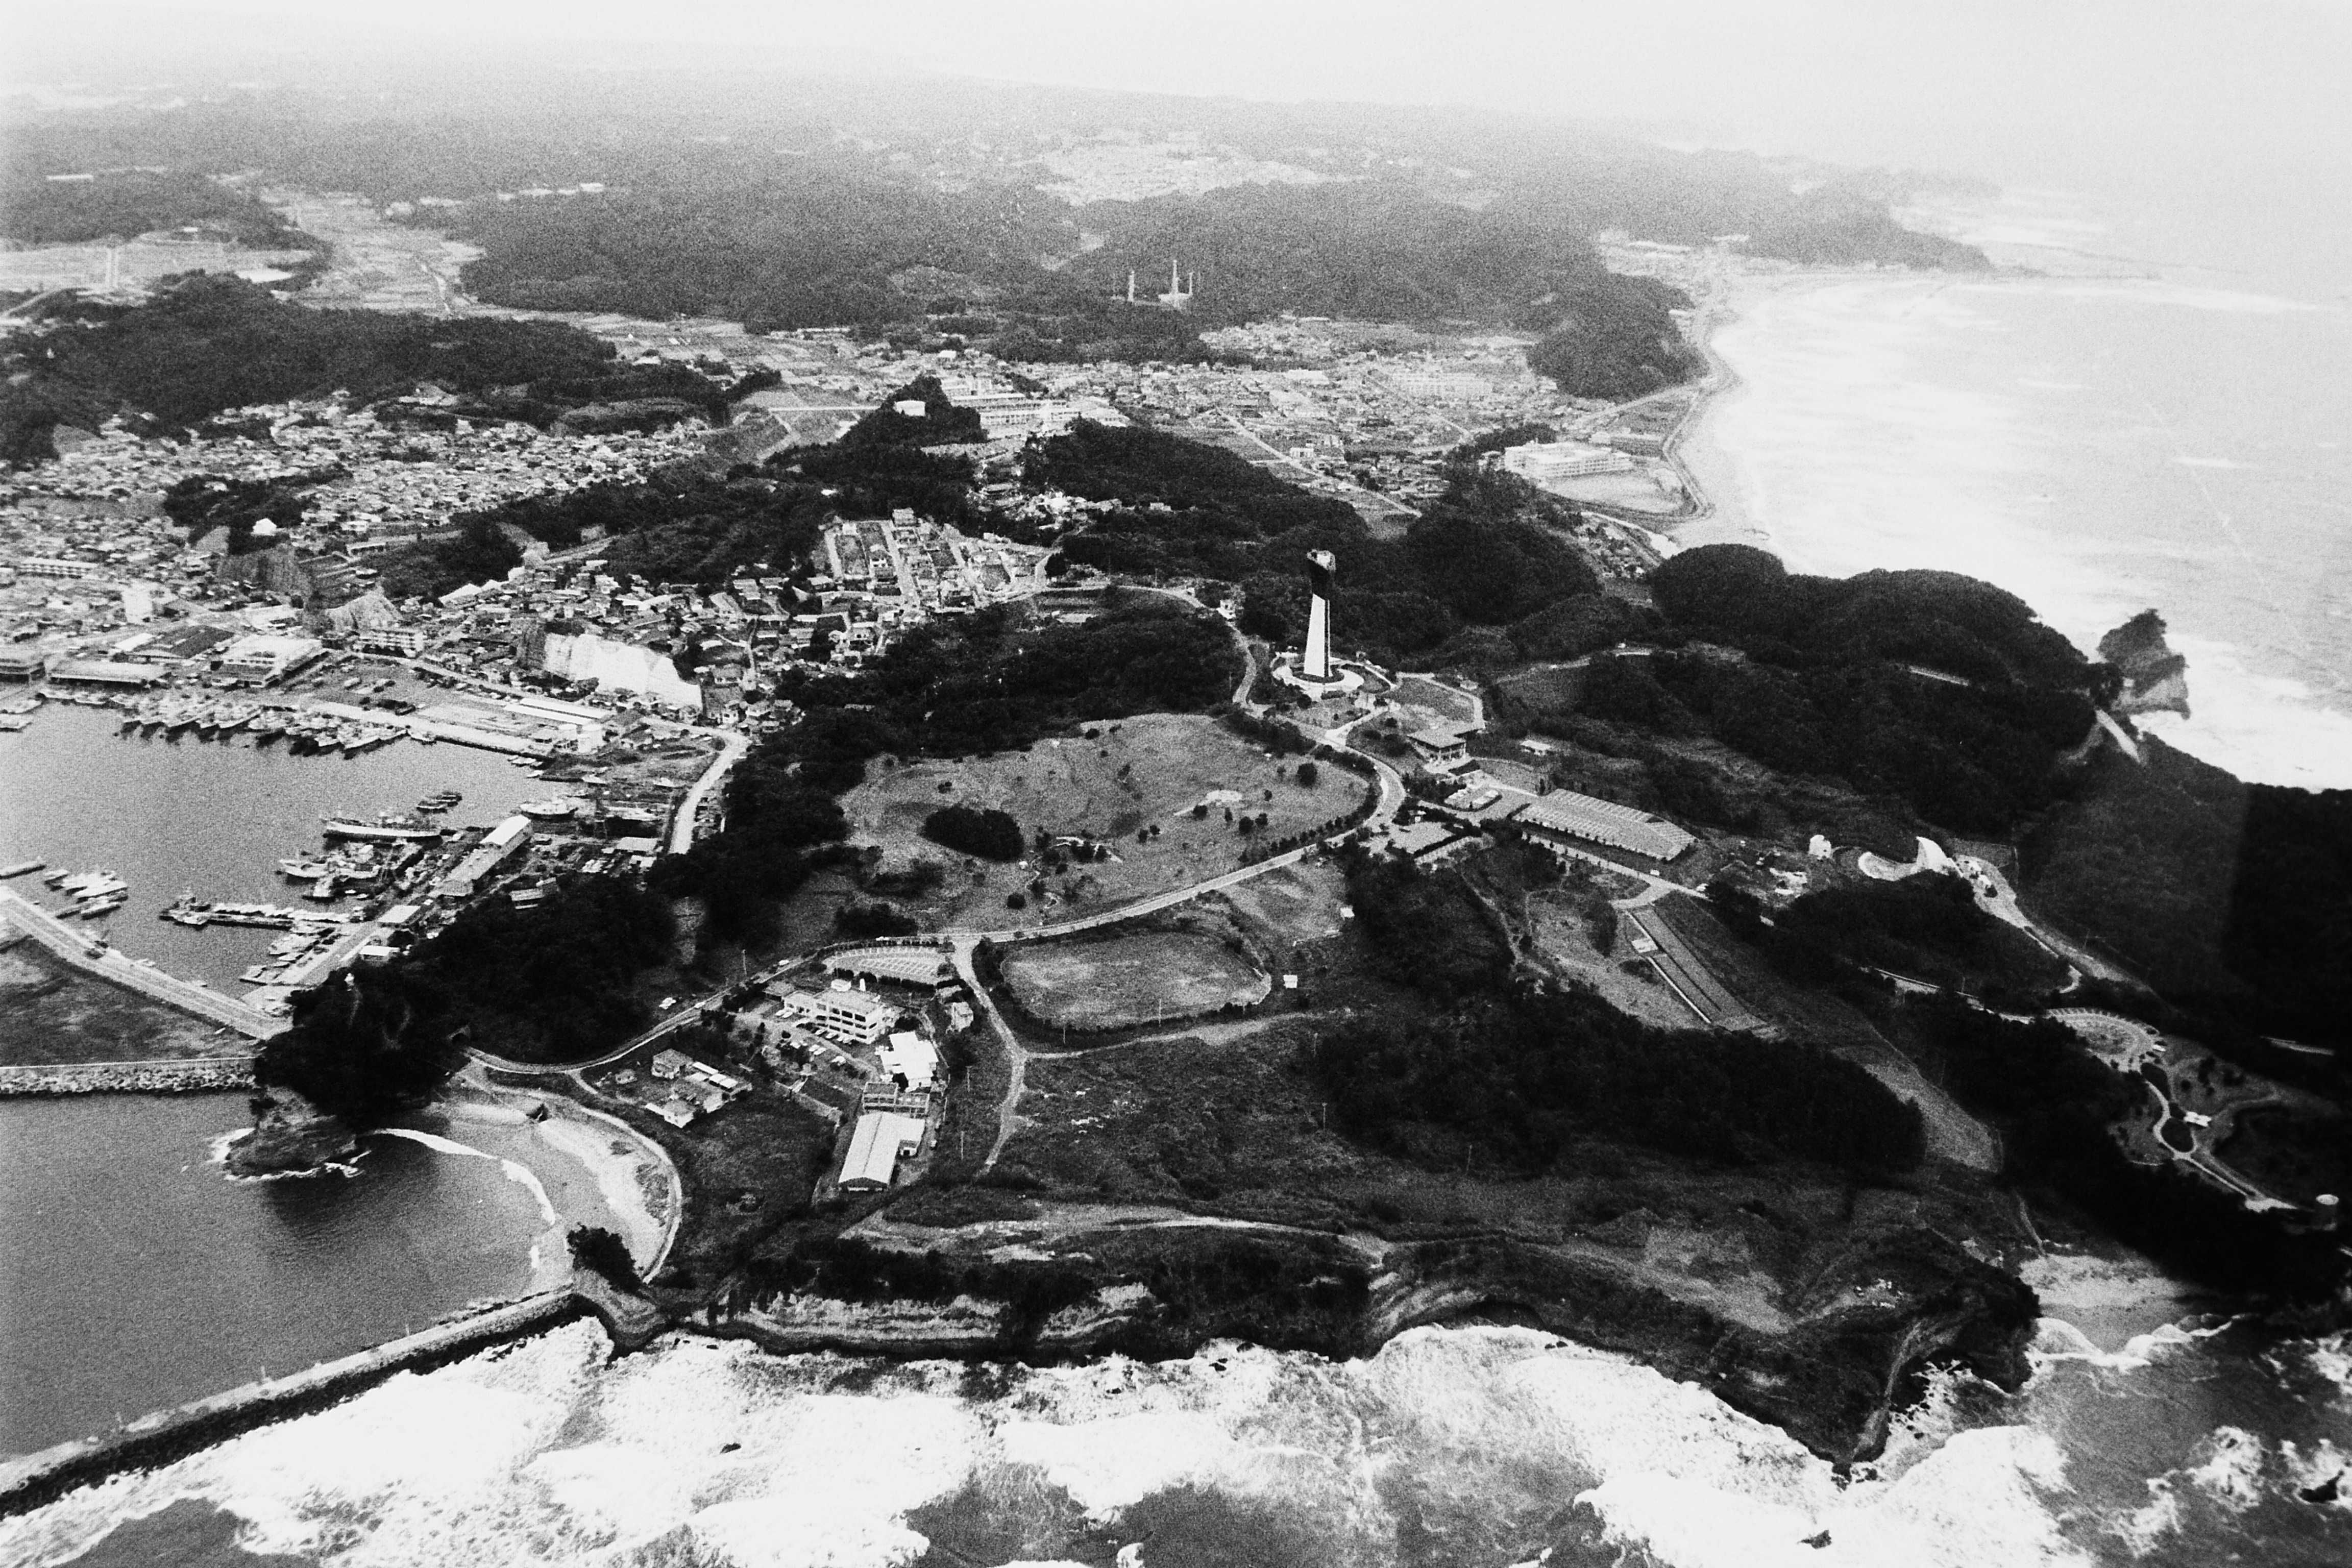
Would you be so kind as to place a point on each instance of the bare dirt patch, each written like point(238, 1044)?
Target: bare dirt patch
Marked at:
point(1125, 979)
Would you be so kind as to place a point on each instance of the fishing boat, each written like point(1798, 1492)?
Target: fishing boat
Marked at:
point(58, 878)
point(323, 891)
point(386, 830)
point(97, 909)
point(302, 870)
point(555, 808)
point(22, 868)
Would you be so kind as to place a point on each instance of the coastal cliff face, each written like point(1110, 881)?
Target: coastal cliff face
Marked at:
point(2156, 678)
point(1830, 1364)
point(291, 1136)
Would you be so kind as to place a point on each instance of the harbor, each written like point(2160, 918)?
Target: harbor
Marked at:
point(215, 824)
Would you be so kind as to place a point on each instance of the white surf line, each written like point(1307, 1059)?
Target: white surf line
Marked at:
point(515, 1170)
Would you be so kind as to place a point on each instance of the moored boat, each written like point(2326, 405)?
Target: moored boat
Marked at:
point(22, 868)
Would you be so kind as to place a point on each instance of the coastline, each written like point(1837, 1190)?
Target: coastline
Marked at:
point(2052, 435)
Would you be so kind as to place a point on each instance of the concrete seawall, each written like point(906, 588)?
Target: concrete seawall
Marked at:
point(164, 1436)
point(192, 1075)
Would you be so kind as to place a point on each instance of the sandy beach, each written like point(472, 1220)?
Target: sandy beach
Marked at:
point(596, 1170)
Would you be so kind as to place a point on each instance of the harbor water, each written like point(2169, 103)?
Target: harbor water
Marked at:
point(172, 816)
point(135, 1273)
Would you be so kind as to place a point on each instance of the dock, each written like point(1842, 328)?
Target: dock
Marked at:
point(74, 947)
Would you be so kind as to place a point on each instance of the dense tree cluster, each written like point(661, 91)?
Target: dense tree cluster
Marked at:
point(2235, 900)
point(1957, 625)
point(1491, 551)
point(1926, 927)
point(1523, 1077)
point(1936, 690)
point(204, 502)
point(367, 1045)
point(2054, 1103)
point(986, 832)
point(1428, 927)
point(126, 203)
point(941, 422)
point(547, 984)
point(204, 344)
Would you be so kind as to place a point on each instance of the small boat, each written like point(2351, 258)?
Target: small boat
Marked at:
point(58, 878)
point(303, 870)
point(22, 868)
point(390, 830)
point(323, 891)
point(555, 808)
point(98, 908)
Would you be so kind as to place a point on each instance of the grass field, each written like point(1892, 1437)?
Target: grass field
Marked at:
point(1149, 771)
point(1130, 979)
point(51, 1013)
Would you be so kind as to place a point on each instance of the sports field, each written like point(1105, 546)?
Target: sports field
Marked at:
point(1130, 979)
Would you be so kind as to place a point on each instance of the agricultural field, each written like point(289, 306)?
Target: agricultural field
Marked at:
point(1116, 981)
point(1134, 777)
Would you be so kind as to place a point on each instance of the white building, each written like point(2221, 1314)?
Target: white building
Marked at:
point(262, 657)
point(1541, 460)
point(857, 1016)
point(881, 1139)
point(910, 1056)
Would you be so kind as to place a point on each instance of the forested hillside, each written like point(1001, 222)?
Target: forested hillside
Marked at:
point(204, 344)
point(123, 204)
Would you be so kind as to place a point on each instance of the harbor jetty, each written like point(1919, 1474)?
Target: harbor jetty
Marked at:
point(167, 1435)
point(78, 949)
point(160, 1075)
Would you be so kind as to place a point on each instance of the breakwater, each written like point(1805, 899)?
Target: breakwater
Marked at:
point(163, 1436)
point(190, 1075)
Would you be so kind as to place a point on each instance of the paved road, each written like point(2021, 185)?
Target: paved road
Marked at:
point(730, 751)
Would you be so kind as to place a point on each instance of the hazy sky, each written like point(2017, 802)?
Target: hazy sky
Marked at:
point(2004, 85)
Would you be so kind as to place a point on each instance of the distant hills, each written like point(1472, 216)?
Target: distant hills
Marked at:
point(931, 218)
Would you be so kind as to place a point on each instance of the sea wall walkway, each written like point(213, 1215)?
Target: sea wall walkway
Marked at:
point(74, 948)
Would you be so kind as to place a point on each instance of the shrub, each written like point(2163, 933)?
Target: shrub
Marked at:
point(984, 831)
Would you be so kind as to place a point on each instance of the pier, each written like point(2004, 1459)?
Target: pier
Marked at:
point(75, 948)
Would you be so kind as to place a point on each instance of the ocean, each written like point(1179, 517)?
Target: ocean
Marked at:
point(1485, 1445)
point(2103, 435)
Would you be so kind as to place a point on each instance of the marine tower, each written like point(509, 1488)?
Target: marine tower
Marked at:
point(1315, 660)
point(1311, 668)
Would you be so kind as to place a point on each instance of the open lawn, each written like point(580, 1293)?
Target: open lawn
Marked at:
point(1124, 980)
point(1144, 772)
